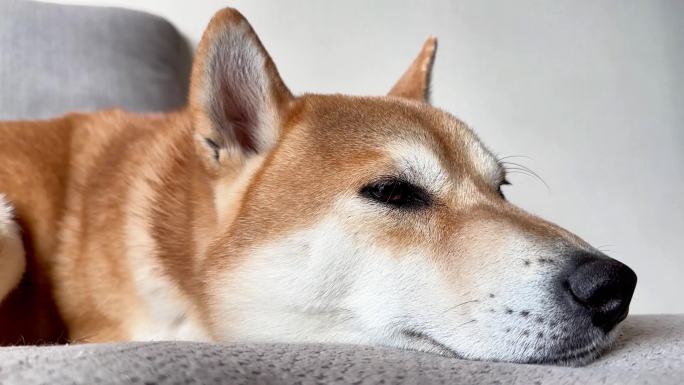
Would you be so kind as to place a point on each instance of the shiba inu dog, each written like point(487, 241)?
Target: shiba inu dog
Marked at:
point(257, 215)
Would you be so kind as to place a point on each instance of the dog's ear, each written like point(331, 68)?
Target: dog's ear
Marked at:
point(237, 97)
point(415, 83)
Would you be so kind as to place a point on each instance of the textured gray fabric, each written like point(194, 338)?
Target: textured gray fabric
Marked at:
point(650, 351)
point(60, 58)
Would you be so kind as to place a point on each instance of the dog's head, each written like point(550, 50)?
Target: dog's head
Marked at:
point(379, 220)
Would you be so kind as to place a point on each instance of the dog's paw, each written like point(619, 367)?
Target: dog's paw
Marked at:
point(12, 258)
point(8, 227)
point(5, 213)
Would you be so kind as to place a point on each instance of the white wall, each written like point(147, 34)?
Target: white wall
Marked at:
point(592, 92)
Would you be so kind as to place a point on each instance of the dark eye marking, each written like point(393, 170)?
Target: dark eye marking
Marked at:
point(397, 193)
point(504, 182)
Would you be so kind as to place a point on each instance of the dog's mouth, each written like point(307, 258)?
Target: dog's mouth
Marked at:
point(429, 344)
point(565, 357)
point(575, 357)
point(580, 355)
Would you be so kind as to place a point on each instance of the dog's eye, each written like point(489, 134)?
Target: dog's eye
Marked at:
point(503, 183)
point(397, 193)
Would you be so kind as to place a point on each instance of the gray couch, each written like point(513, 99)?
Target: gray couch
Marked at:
point(54, 59)
point(650, 351)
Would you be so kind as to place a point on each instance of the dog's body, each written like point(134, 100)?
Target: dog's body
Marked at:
point(106, 232)
point(256, 215)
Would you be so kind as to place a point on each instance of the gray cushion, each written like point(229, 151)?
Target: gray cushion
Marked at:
point(58, 58)
point(650, 351)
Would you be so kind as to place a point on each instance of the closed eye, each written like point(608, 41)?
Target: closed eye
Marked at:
point(396, 193)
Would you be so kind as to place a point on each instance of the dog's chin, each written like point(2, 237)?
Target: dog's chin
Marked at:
point(579, 358)
point(578, 355)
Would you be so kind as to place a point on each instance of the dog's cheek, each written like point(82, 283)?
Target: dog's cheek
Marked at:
point(283, 287)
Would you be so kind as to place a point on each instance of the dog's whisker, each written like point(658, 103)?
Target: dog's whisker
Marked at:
point(519, 167)
point(513, 156)
point(607, 248)
point(459, 305)
point(465, 323)
point(519, 171)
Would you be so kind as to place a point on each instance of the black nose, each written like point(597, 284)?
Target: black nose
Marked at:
point(604, 286)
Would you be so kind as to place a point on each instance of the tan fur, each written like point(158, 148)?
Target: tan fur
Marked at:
point(132, 222)
point(415, 83)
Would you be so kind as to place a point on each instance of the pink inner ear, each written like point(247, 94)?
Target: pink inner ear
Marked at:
point(236, 86)
point(238, 92)
point(237, 118)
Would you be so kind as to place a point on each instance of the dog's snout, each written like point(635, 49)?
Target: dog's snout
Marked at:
point(603, 286)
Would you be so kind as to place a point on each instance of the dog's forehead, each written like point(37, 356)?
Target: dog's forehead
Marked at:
point(424, 142)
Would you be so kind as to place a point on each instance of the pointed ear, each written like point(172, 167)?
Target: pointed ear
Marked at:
point(236, 95)
point(415, 82)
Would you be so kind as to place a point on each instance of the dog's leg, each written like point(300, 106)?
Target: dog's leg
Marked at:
point(12, 257)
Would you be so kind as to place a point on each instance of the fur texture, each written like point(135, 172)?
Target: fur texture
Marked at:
point(240, 218)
